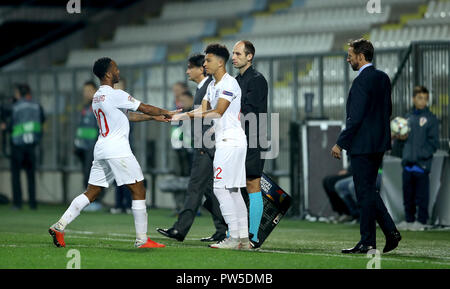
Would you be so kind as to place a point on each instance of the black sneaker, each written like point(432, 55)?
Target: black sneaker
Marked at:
point(254, 244)
point(171, 233)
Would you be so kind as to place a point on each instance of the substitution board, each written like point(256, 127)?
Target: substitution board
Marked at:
point(276, 204)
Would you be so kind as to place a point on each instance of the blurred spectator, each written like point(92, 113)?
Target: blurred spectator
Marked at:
point(184, 150)
point(181, 143)
point(418, 149)
point(178, 89)
point(27, 118)
point(5, 119)
point(336, 202)
point(86, 137)
point(87, 131)
point(345, 189)
point(122, 193)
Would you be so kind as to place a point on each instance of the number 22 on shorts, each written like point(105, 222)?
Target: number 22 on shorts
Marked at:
point(219, 171)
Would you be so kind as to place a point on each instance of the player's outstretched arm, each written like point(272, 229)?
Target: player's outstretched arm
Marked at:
point(138, 117)
point(187, 115)
point(153, 110)
point(205, 111)
point(222, 105)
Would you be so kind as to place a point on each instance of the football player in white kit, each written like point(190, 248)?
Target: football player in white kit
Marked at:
point(113, 158)
point(222, 103)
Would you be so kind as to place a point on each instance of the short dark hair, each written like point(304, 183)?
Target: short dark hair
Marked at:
point(101, 67)
point(249, 48)
point(363, 46)
point(23, 89)
point(197, 60)
point(218, 50)
point(91, 83)
point(420, 89)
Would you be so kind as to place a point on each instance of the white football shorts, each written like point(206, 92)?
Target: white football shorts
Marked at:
point(229, 166)
point(123, 170)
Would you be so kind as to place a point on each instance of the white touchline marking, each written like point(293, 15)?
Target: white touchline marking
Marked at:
point(354, 257)
point(123, 235)
point(193, 246)
point(285, 252)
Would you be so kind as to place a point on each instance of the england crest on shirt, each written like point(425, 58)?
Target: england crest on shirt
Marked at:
point(422, 121)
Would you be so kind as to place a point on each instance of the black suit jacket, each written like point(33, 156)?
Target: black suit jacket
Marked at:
point(369, 108)
point(198, 97)
point(200, 93)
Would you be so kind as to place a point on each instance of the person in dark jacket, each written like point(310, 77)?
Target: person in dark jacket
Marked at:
point(337, 203)
point(201, 173)
point(86, 137)
point(366, 138)
point(254, 98)
point(122, 194)
point(87, 131)
point(418, 148)
point(27, 119)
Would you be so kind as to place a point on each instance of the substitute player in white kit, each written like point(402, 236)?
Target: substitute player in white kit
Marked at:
point(113, 159)
point(222, 103)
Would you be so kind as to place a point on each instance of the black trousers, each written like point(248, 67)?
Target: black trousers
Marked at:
point(23, 157)
point(123, 197)
point(200, 183)
point(337, 204)
point(416, 192)
point(372, 209)
point(86, 158)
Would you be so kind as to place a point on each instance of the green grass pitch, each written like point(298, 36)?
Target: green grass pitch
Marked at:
point(106, 241)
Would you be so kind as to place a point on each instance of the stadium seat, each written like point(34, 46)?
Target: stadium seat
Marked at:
point(395, 38)
point(282, 45)
point(209, 9)
point(323, 20)
point(165, 32)
point(353, 3)
point(123, 56)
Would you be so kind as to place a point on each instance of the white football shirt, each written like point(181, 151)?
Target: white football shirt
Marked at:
point(110, 107)
point(229, 125)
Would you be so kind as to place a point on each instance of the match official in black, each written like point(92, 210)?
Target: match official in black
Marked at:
point(366, 137)
point(254, 100)
point(201, 178)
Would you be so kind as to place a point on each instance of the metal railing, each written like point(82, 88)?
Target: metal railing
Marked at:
point(300, 87)
point(427, 64)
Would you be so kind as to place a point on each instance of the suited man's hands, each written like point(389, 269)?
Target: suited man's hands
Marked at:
point(336, 152)
point(399, 137)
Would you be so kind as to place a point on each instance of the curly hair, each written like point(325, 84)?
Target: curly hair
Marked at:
point(218, 50)
point(101, 67)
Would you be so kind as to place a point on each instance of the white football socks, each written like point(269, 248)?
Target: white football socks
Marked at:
point(140, 219)
point(241, 211)
point(77, 205)
point(229, 212)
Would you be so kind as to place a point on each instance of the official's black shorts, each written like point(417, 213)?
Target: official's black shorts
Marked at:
point(254, 165)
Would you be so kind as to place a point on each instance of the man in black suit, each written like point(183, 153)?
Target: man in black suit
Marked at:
point(201, 178)
point(366, 137)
